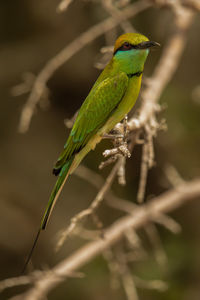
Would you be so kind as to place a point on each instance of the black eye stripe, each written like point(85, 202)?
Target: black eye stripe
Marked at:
point(127, 46)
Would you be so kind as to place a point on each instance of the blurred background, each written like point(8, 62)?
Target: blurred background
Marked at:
point(32, 32)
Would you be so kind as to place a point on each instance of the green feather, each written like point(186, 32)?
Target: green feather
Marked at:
point(94, 113)
point(110, 99)
point(55, 191)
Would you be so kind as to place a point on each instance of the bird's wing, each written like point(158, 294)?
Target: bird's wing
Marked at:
point(93, 114)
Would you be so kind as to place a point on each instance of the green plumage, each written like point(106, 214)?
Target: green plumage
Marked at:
point(94, 113)
point(59, 182)
point(110, 99)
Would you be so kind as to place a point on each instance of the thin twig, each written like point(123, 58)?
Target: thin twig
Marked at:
point(63, 5)
point(126, 277)
point(172, 175)
point(158, 285)
point(143, 173)
point(113, 268)
point(15, 281)
point(115, 13)
point(168, 223)
point(154, 237)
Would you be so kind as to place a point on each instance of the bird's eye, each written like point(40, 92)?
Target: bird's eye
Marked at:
point(126, 46)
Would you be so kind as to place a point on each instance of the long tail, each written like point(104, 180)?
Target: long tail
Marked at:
point(52, 200)
point(67, 169)
point(56, 192)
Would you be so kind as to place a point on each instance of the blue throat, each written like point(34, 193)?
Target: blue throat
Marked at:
point(131, 61)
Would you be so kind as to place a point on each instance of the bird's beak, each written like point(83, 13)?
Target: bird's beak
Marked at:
point(148, 44)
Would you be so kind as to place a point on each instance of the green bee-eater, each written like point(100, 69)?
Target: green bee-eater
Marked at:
point(110, 99)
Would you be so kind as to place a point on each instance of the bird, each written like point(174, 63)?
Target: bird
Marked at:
point(111, 98)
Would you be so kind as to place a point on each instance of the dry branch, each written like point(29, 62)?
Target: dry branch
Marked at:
point(63, 5)
point(165, 203)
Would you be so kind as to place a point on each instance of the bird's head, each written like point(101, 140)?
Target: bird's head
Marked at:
point(131, 51)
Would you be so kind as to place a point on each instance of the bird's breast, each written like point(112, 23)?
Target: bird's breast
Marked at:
point(126, 104)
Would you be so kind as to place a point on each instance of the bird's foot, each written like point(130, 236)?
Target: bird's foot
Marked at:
point(122, 149)
point(113, 154)
point(119, 136)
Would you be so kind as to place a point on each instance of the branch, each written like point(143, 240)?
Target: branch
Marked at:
point(165, 203)
point(111, 8)
point(63, 5)
point(164, 71)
